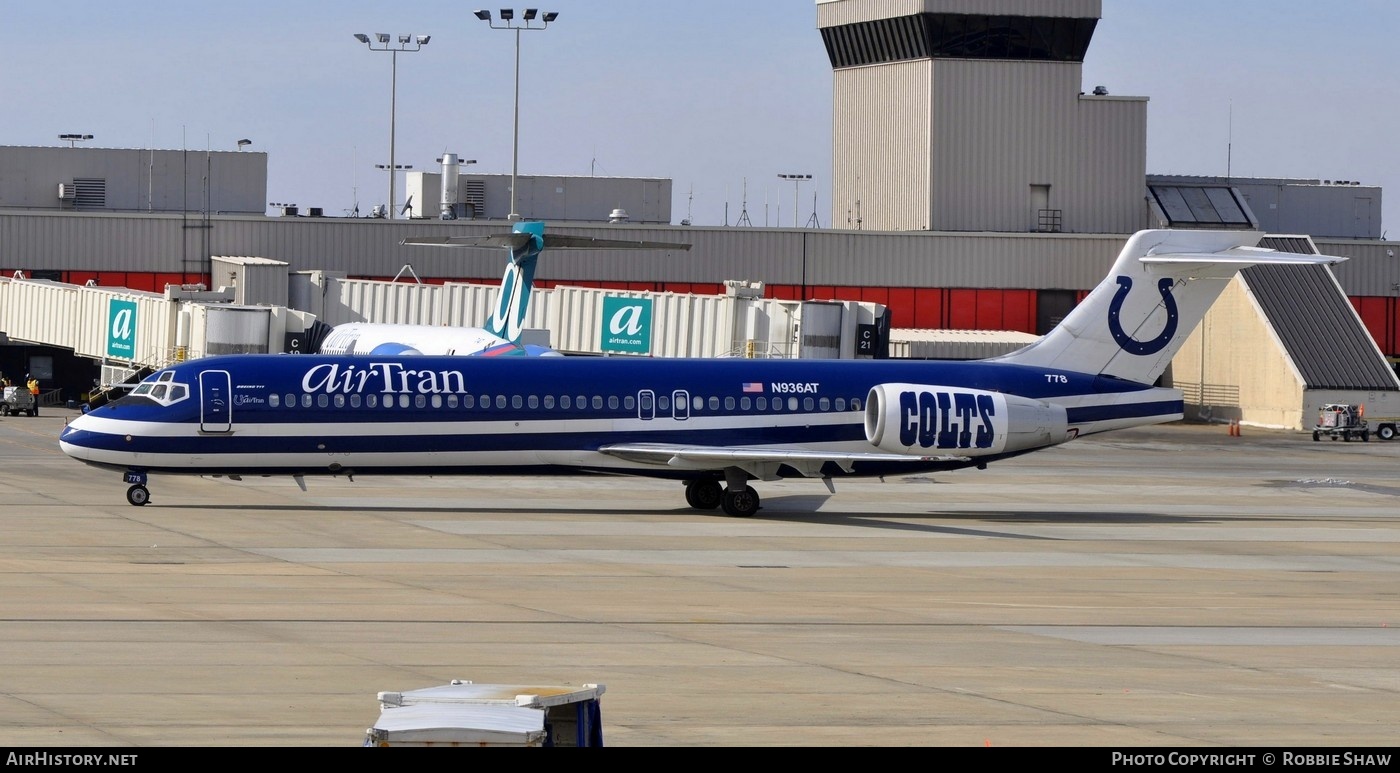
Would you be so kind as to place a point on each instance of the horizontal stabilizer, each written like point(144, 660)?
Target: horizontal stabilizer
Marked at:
point(516, 241)
point(513, 241)
point(558, 242)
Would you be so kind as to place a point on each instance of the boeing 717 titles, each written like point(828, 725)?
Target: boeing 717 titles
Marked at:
point(714, 424)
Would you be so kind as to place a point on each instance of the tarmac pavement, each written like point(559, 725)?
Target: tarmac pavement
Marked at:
point(1168, 586)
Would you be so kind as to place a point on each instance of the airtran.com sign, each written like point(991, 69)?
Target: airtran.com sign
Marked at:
point(626, 325)
point(121, 329)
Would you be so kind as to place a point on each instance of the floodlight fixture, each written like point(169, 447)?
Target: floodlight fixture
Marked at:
point(507, 14)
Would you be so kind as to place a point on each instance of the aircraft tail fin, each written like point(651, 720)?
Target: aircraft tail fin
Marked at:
point(1164, 281)
point(526, 241)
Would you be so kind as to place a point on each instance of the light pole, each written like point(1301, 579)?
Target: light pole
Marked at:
point(406, 43)
point(508, 23)
point(796, 180)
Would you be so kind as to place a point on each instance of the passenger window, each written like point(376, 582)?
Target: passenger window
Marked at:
point(762, 403)
point(419, 401)
point(403, 401)
point(322, 400)
point(355, 400)
point(371, 401)
point(714, 403)
point(548, 401)
point(306, 401)
point(340, 401)
point(629, 402)
point(855, 403)
point(501, 401)
point(485, 401)
point(825, 404)
point(840, 403)
point(808, 404)
point(291, 400)
point(581, 402)
point(533, 401)
point(516, 402)
point(437, 401)
point(597, 402)
point(792, 403)
point(452, 401)
point(663, 403)
point(274, 400)
point(469, 401)
point(745, 403)
point(566, 402)
point(697, 402)
point(729, 403)
point(612, 402)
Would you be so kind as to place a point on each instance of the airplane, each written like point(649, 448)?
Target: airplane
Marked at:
point(713, 424)
point(501, 335)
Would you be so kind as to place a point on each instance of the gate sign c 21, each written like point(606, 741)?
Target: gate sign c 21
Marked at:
point(121, 329)
point(626, 325)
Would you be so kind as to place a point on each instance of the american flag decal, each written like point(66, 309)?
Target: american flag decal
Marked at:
point(753, 386)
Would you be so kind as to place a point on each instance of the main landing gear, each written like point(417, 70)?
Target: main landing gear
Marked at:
point(737, 499)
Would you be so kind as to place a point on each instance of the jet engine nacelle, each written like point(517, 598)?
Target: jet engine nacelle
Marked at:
point(921, 419)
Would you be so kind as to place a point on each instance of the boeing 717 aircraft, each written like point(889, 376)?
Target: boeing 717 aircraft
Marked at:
point(715, 425)
point(501, 334)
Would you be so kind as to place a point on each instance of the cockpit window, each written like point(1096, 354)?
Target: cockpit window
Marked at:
point(162, 388)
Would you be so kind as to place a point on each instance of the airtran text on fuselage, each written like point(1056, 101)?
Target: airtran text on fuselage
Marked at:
point(382, 377)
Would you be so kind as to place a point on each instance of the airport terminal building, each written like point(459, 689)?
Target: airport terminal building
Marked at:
point(978, 185)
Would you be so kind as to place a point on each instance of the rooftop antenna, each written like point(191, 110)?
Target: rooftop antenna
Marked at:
point(812, 221)
point(744, 213)
point(1229, 140)
point(689, 205)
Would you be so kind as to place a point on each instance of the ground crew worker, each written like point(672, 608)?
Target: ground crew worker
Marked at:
point(34, 390)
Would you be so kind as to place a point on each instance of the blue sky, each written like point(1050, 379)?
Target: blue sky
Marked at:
point(720, 96)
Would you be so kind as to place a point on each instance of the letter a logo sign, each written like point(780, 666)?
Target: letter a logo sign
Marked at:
point(626, 325)
point(121, 329)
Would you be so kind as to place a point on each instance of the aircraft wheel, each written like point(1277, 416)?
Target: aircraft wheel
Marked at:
point(4, 409)
point(741, 503)
point(703, 494)
point(1386, 432)
point(138, 495)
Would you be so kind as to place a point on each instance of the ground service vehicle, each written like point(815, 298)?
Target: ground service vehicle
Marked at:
point(18, 400)
point(1341, 420)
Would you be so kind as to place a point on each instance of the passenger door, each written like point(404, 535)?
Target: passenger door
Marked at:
point(215, 401)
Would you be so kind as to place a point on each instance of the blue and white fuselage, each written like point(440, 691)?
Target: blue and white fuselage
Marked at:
point(705, 422)
point(294, 414)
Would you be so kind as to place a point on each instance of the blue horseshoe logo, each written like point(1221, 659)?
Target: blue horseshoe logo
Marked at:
point(1126, 342)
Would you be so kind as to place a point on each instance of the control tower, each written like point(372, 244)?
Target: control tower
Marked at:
point(970, 115)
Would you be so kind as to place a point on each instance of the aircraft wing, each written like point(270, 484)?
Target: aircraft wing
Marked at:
point(761, 461)
point(512, 240)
